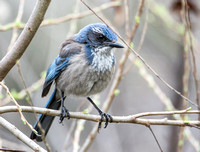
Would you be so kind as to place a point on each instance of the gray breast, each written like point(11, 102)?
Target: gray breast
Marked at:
point(80, 79)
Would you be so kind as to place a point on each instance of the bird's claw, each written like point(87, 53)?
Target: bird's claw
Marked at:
point(108, 118)
point(63, 113)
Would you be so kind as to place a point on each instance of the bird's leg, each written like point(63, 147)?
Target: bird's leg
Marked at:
point(64, 111)
point(102, 114)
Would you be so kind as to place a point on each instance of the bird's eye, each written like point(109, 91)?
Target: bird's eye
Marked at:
point(101, 37)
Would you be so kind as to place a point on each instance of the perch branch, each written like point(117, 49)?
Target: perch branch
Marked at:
point(116, 119)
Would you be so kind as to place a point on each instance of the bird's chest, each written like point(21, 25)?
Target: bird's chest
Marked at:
point(83, 79)
point(100, 80)
point(101, 61)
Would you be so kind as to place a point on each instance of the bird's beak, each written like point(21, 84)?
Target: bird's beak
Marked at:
point(115, 44)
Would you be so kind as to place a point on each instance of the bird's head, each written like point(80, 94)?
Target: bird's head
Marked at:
point(98, 35)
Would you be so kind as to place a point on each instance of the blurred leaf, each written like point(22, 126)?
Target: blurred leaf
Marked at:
point(86, 111)
point(138, 62)
point(23, 121)
point(186, 118)
point(181, 29)
point(80, 125)
point(43, 74)
point(180, 143)
point(18, 24)
point(1, 96)
point(132, 45)
point(137, 19)
point(116, 92)
point(15, 94)
point(36, 86)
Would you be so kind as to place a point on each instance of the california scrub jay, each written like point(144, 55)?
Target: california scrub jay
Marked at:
point(84, 67)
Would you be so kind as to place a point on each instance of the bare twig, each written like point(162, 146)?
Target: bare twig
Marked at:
point(67, 140)
point(79, 129)
point(155, 137)
point(131, 56)
point(9, 60)
point(34, 87)
point(13, 39)
point(196, 80)
point(21, 136)
point(18, 106)
point(66, 18)
point(186, 111)
point(194, 142)
point(17, 20)
point(185, 78)
point(127, 13)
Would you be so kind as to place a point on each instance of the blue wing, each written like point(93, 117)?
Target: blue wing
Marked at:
point(69, 49)
point(54, 70)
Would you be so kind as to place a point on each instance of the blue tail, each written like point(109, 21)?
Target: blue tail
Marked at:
point(46, 120)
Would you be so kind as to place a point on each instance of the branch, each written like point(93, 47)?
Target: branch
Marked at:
point(20, 135)
point(65, 18)
point(25, 38)
point(116, 119)
point(155, 138)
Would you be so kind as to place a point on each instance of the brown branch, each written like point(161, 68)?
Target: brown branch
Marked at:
point(63, 19)
point(196, 80)
point(20, 135)
point(155, 137)
point(10, 59)
point(186, 111)
point(18, 20)
point(185, 78)
point(116, 119)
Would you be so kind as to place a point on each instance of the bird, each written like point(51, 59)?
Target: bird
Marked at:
point(84, 67)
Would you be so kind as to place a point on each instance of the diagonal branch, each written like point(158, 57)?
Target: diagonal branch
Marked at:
point(25, 38)
point(20, 135)
point(155, 138)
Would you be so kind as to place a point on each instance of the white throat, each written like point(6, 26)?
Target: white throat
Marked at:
point(103, 59)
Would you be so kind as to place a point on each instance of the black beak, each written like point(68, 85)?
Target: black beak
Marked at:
point(114, 44)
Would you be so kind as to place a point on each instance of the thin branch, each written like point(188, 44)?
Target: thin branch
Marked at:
point(186, 111)
point(18, 106)
point(17, 20)
point(127, 19)
point(79, 129)
point(155, 138)
point(66, 18)
point(196, 80)
point(34, 87)
point(185, 78)
point(131, 56)
point(9, 60)
point(194, 142)
point(67, 140)
point(20, 135)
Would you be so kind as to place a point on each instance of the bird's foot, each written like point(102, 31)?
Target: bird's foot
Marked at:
point(63, 113)
point(108, 118)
